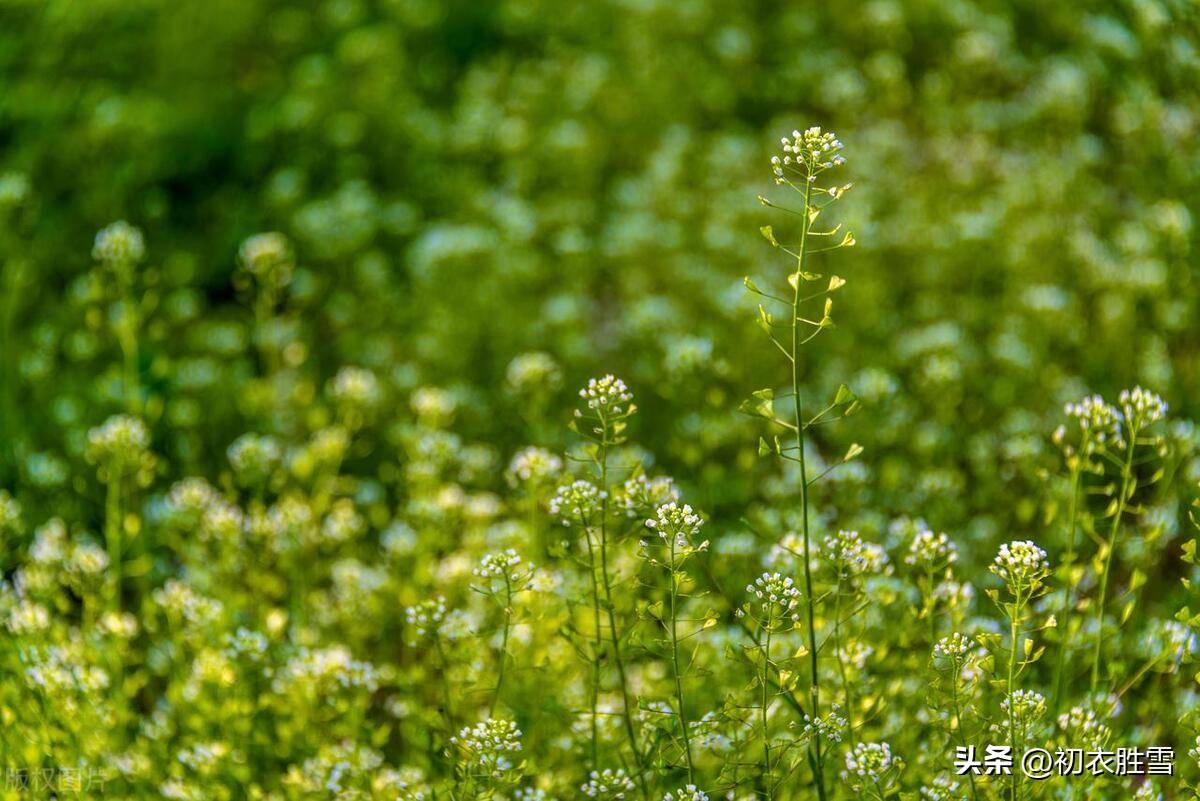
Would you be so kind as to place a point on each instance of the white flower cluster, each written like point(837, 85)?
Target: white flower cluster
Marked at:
point(931, 550)
point(180, 601)
point(1098, 420)
point(577, 502)
point(689, 792)
point(426, 616)
point(119, 243)
point(1141, 407)
point(870, 761)
point(10, 514)
point(777, 594)
point(1024, 706)
point(607, 395)
point(489, 744)
point(534, 464)
point(120, 443)
point(814, 149)
point(355, 386)
point(1020, 563)
point(1083, 728)
point(533, 370)
point(254, 456)
point(847, 550)
point(266, 254)
point(954, 647)
point(319, 670)
point(27, 616)
point(87, 559)
point(343, 523)
point(942, 788)
point(830, 727)
point(640, 493)
point(222, 522)
point(189, 497)
point(607, 785)
point(63, 670)
point(678, 524)
point(505, 564)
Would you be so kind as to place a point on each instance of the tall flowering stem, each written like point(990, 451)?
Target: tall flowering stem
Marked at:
point(502, 577)
point(604, 419)
point(1097, 427)
point(951, 655)
point(119, 247)
point(679, 528)
point(120, 449)
point(1137, 410)
point(772, 603)
point(1023, 568)
point(805, 157)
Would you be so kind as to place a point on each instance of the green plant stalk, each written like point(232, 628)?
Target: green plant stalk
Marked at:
point(630, 733)
point(112, 537)
point(683, 720)
point(1068, 605)
point(841, 661)
point(763, 709)
point(1014, 635)
point(597, 647)
point(127, 337)
point(931, 606)
point(815, 686)
point(264, 309)
point(447, 701)
point(508, 596)
point(1126, 477)
point(962, 737)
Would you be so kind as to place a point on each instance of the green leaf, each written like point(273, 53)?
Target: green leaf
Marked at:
point(759, 405)
point(1137, 580)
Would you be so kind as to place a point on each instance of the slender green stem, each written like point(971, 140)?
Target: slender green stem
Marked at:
point(127, 336)
point(1126, 477)
point(815, 686)
point(614, 635)
point(683, 720)
point(598, 647)
point(841, 661)
point(962, 737)
point(112, 535)
point(1014, 635)
point(508, 597)
point(930, 605)
point(444, 682)
point(763, 710)
point(1068, 604)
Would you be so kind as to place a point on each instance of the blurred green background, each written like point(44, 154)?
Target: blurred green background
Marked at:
point(464, 182)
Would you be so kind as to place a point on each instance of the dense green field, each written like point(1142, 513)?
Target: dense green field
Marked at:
point(404, 399)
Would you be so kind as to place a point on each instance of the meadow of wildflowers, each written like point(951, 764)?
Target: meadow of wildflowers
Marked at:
point(532, 401)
